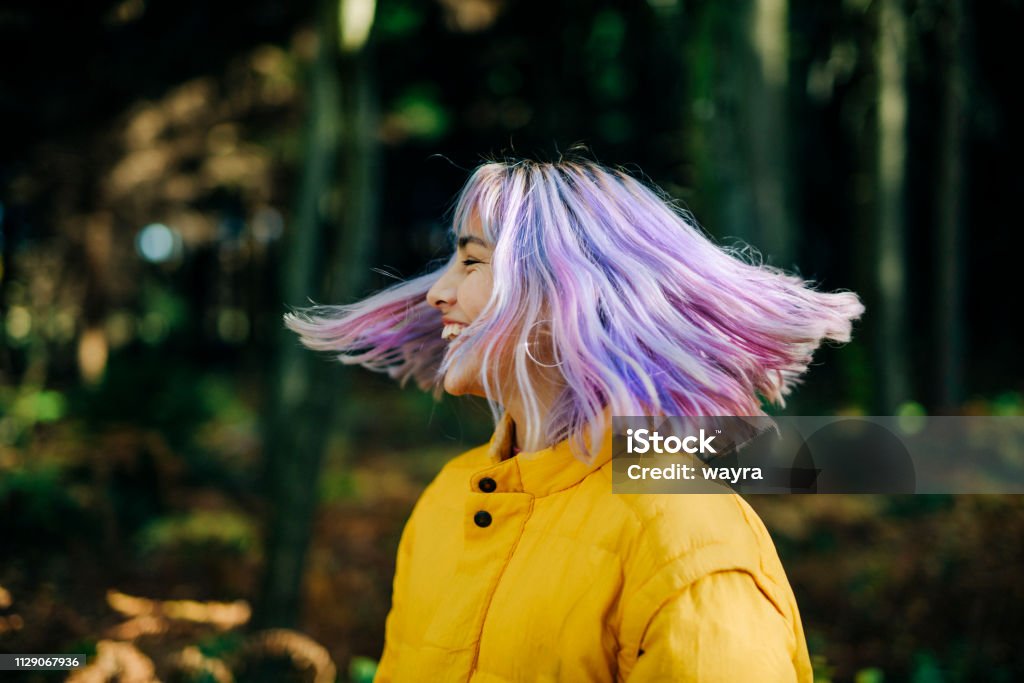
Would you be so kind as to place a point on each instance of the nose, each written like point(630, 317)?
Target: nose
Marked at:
point(442, 294)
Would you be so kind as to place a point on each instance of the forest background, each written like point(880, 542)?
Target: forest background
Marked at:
point(186, 494)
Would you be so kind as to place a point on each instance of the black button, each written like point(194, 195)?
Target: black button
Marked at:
point(487, 484)
point(482, 518)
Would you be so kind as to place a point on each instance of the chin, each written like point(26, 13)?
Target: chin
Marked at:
point(451, 388)
point(458, 384)
point(454, 383)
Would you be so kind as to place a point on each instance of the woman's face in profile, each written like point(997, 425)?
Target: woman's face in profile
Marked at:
point(460, 295)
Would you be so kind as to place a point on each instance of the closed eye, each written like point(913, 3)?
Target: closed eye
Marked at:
point(470, 261)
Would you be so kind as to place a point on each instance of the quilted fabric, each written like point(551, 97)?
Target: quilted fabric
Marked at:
point(529, 568)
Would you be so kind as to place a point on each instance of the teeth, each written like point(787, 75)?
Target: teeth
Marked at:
point(451, 331)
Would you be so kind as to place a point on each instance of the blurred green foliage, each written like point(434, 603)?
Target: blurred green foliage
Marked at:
point(362, 670)
point(199, 532)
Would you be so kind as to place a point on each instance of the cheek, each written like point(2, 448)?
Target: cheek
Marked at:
point(475, 295)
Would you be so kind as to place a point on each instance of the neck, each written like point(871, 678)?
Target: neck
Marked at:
point(529, 436)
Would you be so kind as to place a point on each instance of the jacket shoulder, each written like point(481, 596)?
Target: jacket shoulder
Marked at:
point(697, 534)
point(682, 539)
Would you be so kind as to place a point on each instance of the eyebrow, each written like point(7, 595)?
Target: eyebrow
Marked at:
point(472, 239)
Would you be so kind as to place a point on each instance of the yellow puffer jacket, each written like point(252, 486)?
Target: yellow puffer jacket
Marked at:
point(530, 569)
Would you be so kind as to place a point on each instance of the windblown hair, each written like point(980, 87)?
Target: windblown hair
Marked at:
point(646, 315)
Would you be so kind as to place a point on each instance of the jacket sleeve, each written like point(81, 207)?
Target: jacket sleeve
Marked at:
point(721, 628)
point(394, 626)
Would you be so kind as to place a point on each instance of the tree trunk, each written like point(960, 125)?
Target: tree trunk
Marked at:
point(892, 331)
point(327, 255)
point(768, 131)
point(739, 76)
point(949, 246)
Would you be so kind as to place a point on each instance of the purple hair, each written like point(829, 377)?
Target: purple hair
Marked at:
point(646, 315)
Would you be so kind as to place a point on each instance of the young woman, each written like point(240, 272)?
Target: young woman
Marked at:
point(576, 293)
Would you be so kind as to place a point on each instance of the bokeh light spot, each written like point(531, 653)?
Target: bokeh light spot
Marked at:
point(19, 322)
point(155, 243)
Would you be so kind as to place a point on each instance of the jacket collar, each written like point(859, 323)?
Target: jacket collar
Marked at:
point(545, 471)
